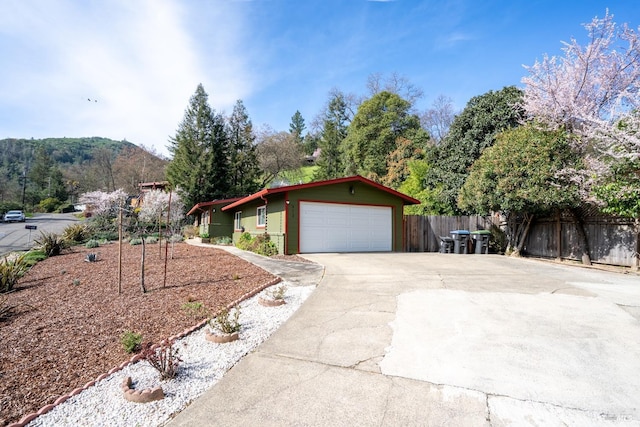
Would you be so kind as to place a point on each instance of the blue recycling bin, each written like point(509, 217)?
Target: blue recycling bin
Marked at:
point(460, 241)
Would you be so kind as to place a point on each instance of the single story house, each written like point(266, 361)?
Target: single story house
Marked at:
point(351, 214)
point(210, 219)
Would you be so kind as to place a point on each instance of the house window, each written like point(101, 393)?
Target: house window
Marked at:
point(236, 221)
point(261, 214)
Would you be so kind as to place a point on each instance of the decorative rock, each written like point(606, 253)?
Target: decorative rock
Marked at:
point(221, 338)
point(141, 396)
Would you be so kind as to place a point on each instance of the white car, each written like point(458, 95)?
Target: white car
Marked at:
point(17, 216)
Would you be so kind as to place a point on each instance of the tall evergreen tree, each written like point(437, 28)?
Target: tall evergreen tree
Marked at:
point(200, 148)
point(297, 126)
point(471, 132)
point(374, 131)
point(243, 163)
point(334, 131)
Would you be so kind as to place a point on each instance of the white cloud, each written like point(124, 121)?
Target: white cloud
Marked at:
point(141, 61)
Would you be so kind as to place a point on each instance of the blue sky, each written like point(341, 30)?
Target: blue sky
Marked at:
point(142, 60)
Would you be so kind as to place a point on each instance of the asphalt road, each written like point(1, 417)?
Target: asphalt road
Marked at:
point(15, 237)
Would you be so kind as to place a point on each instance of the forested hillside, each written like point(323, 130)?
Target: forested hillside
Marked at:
point(48, 173)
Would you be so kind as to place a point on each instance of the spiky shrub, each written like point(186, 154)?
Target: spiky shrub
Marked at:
point(91, 244)
point(11, 270)
point(51, 243)
point(225, 322)
point(151, 239)
point(76, 233)
point(165, 359)
point(135, 242)
point(131, 341)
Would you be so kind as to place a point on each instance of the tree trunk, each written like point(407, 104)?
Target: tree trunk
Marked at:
point(521, 236)
point(142, 286)
point(582, 237)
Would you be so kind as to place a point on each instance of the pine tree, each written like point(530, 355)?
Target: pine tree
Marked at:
point(297, 126)
point(334, 131)
point(243, 163)
point(200, 148)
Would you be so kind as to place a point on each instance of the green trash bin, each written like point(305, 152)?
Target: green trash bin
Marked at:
point(481, 241)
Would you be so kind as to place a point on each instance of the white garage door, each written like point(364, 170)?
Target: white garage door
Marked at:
point(331, 227)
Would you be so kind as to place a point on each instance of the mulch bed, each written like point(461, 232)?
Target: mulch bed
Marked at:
point(68, 330)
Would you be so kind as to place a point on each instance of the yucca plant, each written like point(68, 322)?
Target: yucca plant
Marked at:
point(76, 233)
point(51, 243)
point(11, 270)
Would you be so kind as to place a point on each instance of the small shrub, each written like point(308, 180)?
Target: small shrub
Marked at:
point(276, 293)
point(244, 241)
point(151, 239)
point(223, 240)
point(261, 244)
point(164, 359)
point(51, 243)
point(225, 322)
point(204, 235)
point(91, 257)
point(34, 256)
point(49, 204)
point(76, 282)
point(175, 238)
point(136, 241)
point(190, 231)
point(11, 270)
point(131, 341)
point(195, 309)
point(91, 244)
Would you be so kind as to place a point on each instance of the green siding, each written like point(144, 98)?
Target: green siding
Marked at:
point(282, 217)
point(362, 194)
point(275, 220)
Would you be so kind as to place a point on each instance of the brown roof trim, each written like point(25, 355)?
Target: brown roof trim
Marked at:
point(199, 206)
point(356, 178)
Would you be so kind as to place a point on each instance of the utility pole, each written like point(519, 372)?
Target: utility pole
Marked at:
point(24, 185)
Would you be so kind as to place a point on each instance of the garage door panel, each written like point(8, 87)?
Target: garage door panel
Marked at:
point(332, 227)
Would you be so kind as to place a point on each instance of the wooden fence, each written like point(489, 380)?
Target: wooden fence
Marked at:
point(422, 233)
point(612, 241)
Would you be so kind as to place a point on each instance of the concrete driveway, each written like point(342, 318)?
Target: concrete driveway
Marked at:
point(433, 339)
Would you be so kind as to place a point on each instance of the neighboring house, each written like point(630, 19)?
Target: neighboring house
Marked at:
point(145, 187)
point(352, 214)
point(210, 219)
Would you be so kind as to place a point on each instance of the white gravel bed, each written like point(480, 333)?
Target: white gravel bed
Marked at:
point(203, 364)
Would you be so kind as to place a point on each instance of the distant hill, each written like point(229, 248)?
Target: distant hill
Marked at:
point(62, 150)
point(71, 166)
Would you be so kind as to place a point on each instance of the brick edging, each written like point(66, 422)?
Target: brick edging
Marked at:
point(30, 417)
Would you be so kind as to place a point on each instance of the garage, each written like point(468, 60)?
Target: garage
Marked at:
point(337, 227)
